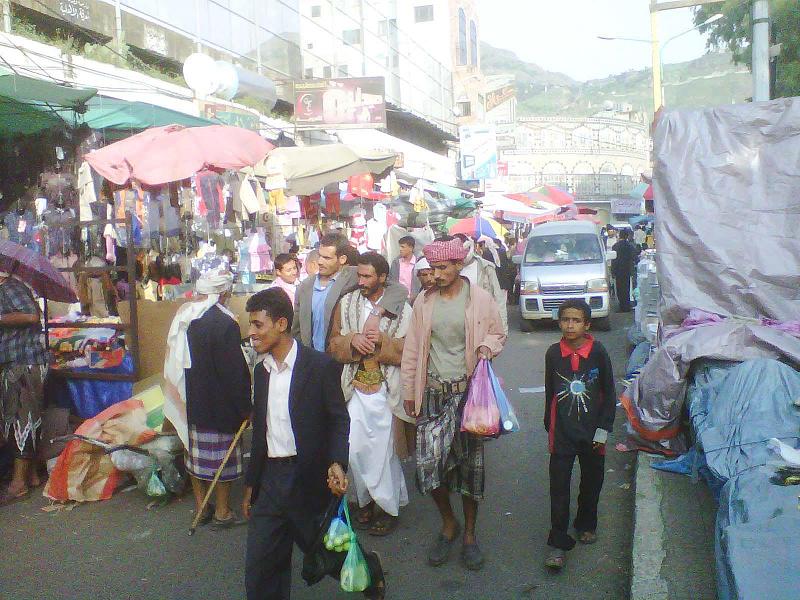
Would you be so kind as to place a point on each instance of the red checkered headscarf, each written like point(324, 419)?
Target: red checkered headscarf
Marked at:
point(451, 250)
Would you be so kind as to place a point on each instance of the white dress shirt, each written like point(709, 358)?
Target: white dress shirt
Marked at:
point(280, 436)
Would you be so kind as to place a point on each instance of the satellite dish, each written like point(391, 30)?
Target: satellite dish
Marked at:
point(201, 74)
point(227, 80)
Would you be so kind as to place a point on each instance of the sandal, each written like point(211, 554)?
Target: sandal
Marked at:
point(208, 515)
point(7, 498)
point(233, 520)
point(364, 518)
point(439, 552)
point(556, 560)
point(383, 525)
point(587, 537)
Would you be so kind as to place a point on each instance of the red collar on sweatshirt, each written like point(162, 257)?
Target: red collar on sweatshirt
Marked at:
point(582, 352)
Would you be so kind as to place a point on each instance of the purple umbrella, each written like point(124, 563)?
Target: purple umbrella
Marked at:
point(35, 270)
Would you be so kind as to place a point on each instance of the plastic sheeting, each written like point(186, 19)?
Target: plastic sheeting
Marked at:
point(757, 539)
point(752, 405)
point(728, 213)
point(722, 176)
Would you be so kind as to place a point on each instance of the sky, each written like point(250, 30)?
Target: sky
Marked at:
point(561, 35)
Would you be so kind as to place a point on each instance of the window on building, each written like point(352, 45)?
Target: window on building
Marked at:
point(316, 11)
point(343, 71)
point(326, 72)
point(473, 44)
point(383, 27)
point(309, 46)
point(351, 37)
point(462, 37)
point(423, 14)
point(309, 74)
point(464, 109)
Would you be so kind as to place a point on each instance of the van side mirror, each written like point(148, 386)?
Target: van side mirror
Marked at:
point(517, 259)
point(611, 255)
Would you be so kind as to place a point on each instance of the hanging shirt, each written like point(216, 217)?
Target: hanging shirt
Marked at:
point(20, 227)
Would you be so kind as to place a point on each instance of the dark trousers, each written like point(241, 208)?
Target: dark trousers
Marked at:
point(592, 473)
point(276, 524)
point(624, 291)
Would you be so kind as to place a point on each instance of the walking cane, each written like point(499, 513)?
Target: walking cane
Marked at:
point(235, 441)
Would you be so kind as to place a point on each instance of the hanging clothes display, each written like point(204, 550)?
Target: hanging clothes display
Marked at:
point(309, 207)
point(358, 232)
point(212, 202)
point(86, 192)
point(376, 228)
point(61, 231)
point(20, 227)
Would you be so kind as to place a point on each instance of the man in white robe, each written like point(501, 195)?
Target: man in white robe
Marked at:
point(371, 386)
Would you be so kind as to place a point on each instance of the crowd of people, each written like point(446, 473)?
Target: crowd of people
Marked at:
point(361, 366)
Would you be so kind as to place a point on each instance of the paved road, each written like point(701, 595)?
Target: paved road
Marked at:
point(118, 549)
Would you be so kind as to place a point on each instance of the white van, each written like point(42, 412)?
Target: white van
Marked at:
point(564, 260)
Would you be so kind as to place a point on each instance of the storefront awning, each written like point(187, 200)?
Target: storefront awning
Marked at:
point(113, 114)
point(29, 105)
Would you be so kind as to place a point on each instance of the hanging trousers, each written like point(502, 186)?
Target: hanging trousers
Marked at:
point(592, 472)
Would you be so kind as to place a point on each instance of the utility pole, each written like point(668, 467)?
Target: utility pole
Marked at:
point(658, 99)
point(760, 66)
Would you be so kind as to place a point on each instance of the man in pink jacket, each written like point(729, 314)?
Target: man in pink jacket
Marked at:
point(452, 325)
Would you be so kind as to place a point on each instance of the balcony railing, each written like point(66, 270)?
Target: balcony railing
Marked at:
point(583, 187)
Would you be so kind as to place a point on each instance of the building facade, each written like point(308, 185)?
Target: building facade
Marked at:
point(393, 39)
point(593, 158)
point(262, 37)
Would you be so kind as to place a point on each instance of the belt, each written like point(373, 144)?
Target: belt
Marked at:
point(448, 387)
point(288, 460)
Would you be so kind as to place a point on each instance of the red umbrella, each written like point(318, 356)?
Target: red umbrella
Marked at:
point(164, 154)
point(556, 195)
point(35, 270)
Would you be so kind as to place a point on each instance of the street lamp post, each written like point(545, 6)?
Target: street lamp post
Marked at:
point(659, 96)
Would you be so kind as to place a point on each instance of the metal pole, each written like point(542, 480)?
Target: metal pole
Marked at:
point(118, 26)
point(656, 56)
point(6, 15)
point(760, 51)
point(132, 335)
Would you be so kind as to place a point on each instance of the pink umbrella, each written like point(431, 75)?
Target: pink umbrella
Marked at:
point(164, 154)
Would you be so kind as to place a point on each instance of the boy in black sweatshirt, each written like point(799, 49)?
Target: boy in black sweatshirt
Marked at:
point(580, 402)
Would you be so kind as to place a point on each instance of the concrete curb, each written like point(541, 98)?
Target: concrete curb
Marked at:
point(648, 535)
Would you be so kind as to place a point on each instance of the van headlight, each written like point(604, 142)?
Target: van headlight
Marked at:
point(597, 285)
point(529, 287)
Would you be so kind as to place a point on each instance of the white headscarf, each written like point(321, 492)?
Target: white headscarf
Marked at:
point(492, 247)
point(422, 263)
point(211, 285)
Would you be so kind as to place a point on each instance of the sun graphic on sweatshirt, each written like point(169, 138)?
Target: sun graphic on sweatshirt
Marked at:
point(575, 390)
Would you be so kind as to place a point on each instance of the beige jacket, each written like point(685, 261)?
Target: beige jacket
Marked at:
point(483, 328)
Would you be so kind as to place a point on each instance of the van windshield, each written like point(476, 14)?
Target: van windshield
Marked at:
point(563, 249)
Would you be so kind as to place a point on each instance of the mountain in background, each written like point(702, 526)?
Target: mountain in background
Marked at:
point(710, 80)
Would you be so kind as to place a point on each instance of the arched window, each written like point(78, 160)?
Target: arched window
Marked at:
point(462, 37)
point(473, 43)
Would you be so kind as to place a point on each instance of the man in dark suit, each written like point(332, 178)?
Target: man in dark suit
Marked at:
point(298, 458)
point(317, 296)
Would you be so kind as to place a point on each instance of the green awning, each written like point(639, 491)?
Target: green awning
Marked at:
point(29, 105)
point(110, 114)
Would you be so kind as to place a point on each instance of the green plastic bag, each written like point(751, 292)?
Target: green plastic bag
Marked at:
point(155, 488)
point(354, 576)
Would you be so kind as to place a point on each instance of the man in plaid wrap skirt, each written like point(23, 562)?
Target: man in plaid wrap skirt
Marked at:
point(452, 326)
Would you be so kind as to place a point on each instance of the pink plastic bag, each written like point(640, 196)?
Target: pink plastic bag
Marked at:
point(481, 414)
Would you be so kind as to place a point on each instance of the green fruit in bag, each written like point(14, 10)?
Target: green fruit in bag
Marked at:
point(354, 576)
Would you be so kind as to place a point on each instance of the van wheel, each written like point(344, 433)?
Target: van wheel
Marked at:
point(603, 323)
point(525, 325)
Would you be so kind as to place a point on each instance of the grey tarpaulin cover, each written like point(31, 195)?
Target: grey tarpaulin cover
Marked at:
point(727, 196)
point(757, 539)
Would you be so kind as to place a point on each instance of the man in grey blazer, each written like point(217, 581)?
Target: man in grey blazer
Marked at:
point(317, 296)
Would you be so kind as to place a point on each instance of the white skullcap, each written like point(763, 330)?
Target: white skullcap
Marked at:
point(422, 263)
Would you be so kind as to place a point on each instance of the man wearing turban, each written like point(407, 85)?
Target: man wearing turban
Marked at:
point(207, 383)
